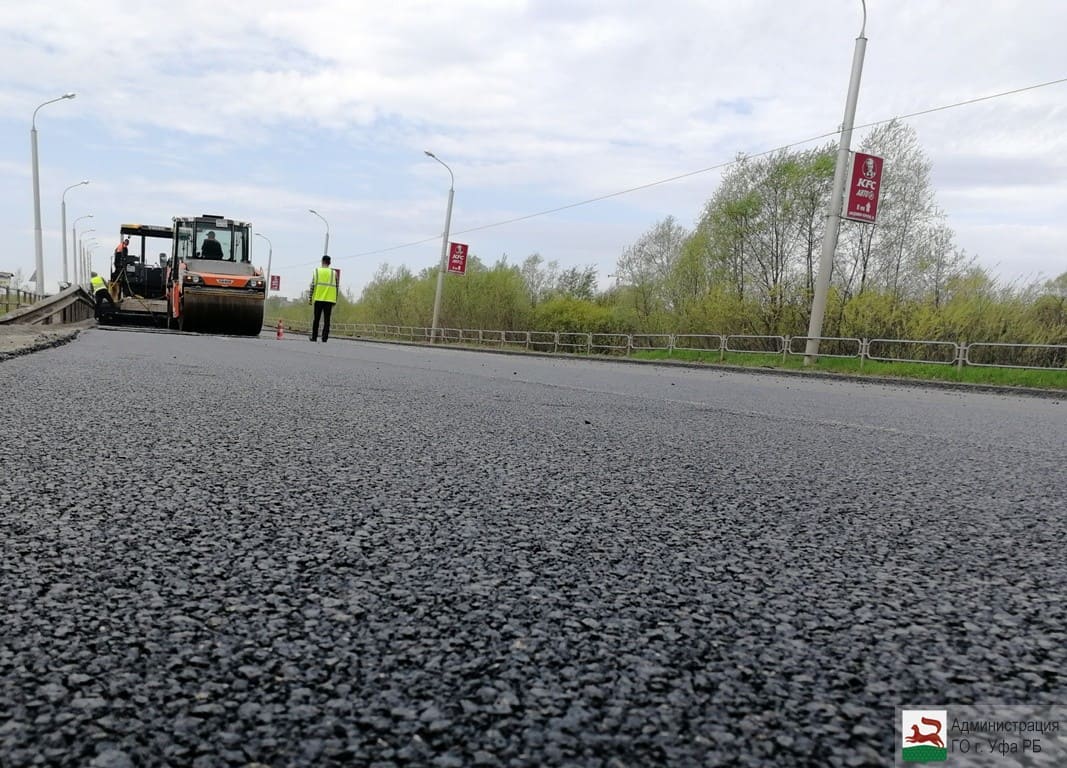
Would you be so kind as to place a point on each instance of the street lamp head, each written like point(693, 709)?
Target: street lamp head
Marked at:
point(72, 186)
point(430, 154)
point(70, 95)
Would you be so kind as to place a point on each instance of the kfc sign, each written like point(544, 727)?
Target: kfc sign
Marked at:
point(457, 258)
point(865, 181)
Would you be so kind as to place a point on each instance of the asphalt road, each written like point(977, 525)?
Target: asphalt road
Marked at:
point(222, 551)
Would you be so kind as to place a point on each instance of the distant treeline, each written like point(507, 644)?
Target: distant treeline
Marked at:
point(749, 267)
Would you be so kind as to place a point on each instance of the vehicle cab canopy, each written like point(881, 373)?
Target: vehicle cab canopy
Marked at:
point(211, 238)
point(142, 233)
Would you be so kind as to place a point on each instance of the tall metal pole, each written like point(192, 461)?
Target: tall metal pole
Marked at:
point(38, 249)
point(833, 215)
point(444, 248)
point(81, 278)
point(270, 255)
point(63, 232)
point(63, 228)
point(86, 266)
point(326, 245)
point(85, 250)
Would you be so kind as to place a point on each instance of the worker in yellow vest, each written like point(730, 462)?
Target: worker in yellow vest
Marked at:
point(98, 286)
point(323, 296)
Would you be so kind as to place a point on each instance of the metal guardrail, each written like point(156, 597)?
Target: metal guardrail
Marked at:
point(1052, 355)
point(934, 352)
point(829, 346)
point(14, 298)
point(651, 341)
point(608, 343)
point(71, 305)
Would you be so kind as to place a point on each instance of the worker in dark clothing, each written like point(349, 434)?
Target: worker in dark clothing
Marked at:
point(100, 293)
point(122, 252)
point(212, 248)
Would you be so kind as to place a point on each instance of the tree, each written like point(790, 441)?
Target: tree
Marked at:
point(493, 298)
point(577, 283)
point(1049, 311)
point(763, 225)
point(728, 222)
point(938, 261)
point(539, 278)
point(812, 179)
point(891, 254)
point(647, 264)
point(393, 297)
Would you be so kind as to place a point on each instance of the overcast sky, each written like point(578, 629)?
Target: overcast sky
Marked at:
point(260, 110)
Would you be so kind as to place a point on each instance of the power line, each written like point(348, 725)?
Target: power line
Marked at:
point(710, 168)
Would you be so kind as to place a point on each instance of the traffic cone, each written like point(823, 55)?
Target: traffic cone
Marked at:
point(279, 336)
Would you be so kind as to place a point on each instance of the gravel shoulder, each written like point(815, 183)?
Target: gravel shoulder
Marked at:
point(18, 340)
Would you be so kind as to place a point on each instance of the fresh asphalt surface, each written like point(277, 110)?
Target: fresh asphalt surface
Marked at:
point(221, 551)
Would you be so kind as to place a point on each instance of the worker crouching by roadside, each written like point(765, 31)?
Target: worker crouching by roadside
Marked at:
point(101, 294)
point(323, 296)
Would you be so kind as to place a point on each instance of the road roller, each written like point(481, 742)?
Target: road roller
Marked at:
point(213, 287)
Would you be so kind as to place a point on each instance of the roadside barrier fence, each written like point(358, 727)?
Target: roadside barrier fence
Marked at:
point(975, 354)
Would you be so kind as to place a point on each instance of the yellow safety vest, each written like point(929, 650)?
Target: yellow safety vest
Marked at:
point(324, 285)
point(97, 284)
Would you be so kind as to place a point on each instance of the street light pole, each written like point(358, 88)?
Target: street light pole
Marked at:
point(79, 273)
point(85, 248)
point(85, 257)
point(63, 228)
point(837, 193)
point(270, 255)
point(38, 249)
point(444, 247)
point(326, 246)
point(81, 246)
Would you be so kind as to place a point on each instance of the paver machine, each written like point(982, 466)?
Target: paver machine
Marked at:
point(212, 286)
point(137, 286)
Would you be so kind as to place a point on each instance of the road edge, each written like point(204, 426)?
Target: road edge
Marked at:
point(951, 386)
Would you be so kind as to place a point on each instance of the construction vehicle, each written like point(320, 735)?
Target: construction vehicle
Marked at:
point(209, 289)
point(212, 286)
point(138, 290)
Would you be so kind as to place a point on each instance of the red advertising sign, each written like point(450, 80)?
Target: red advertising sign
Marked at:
point(275, 282)
point(457, 258)
point(864, 183)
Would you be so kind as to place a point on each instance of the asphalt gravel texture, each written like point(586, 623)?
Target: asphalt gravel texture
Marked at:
point(242, 552)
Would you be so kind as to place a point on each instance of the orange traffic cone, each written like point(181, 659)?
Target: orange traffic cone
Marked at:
point(279, 336)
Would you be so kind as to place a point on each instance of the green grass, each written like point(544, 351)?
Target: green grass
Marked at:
point(1008, 377)
point(1011, 377)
